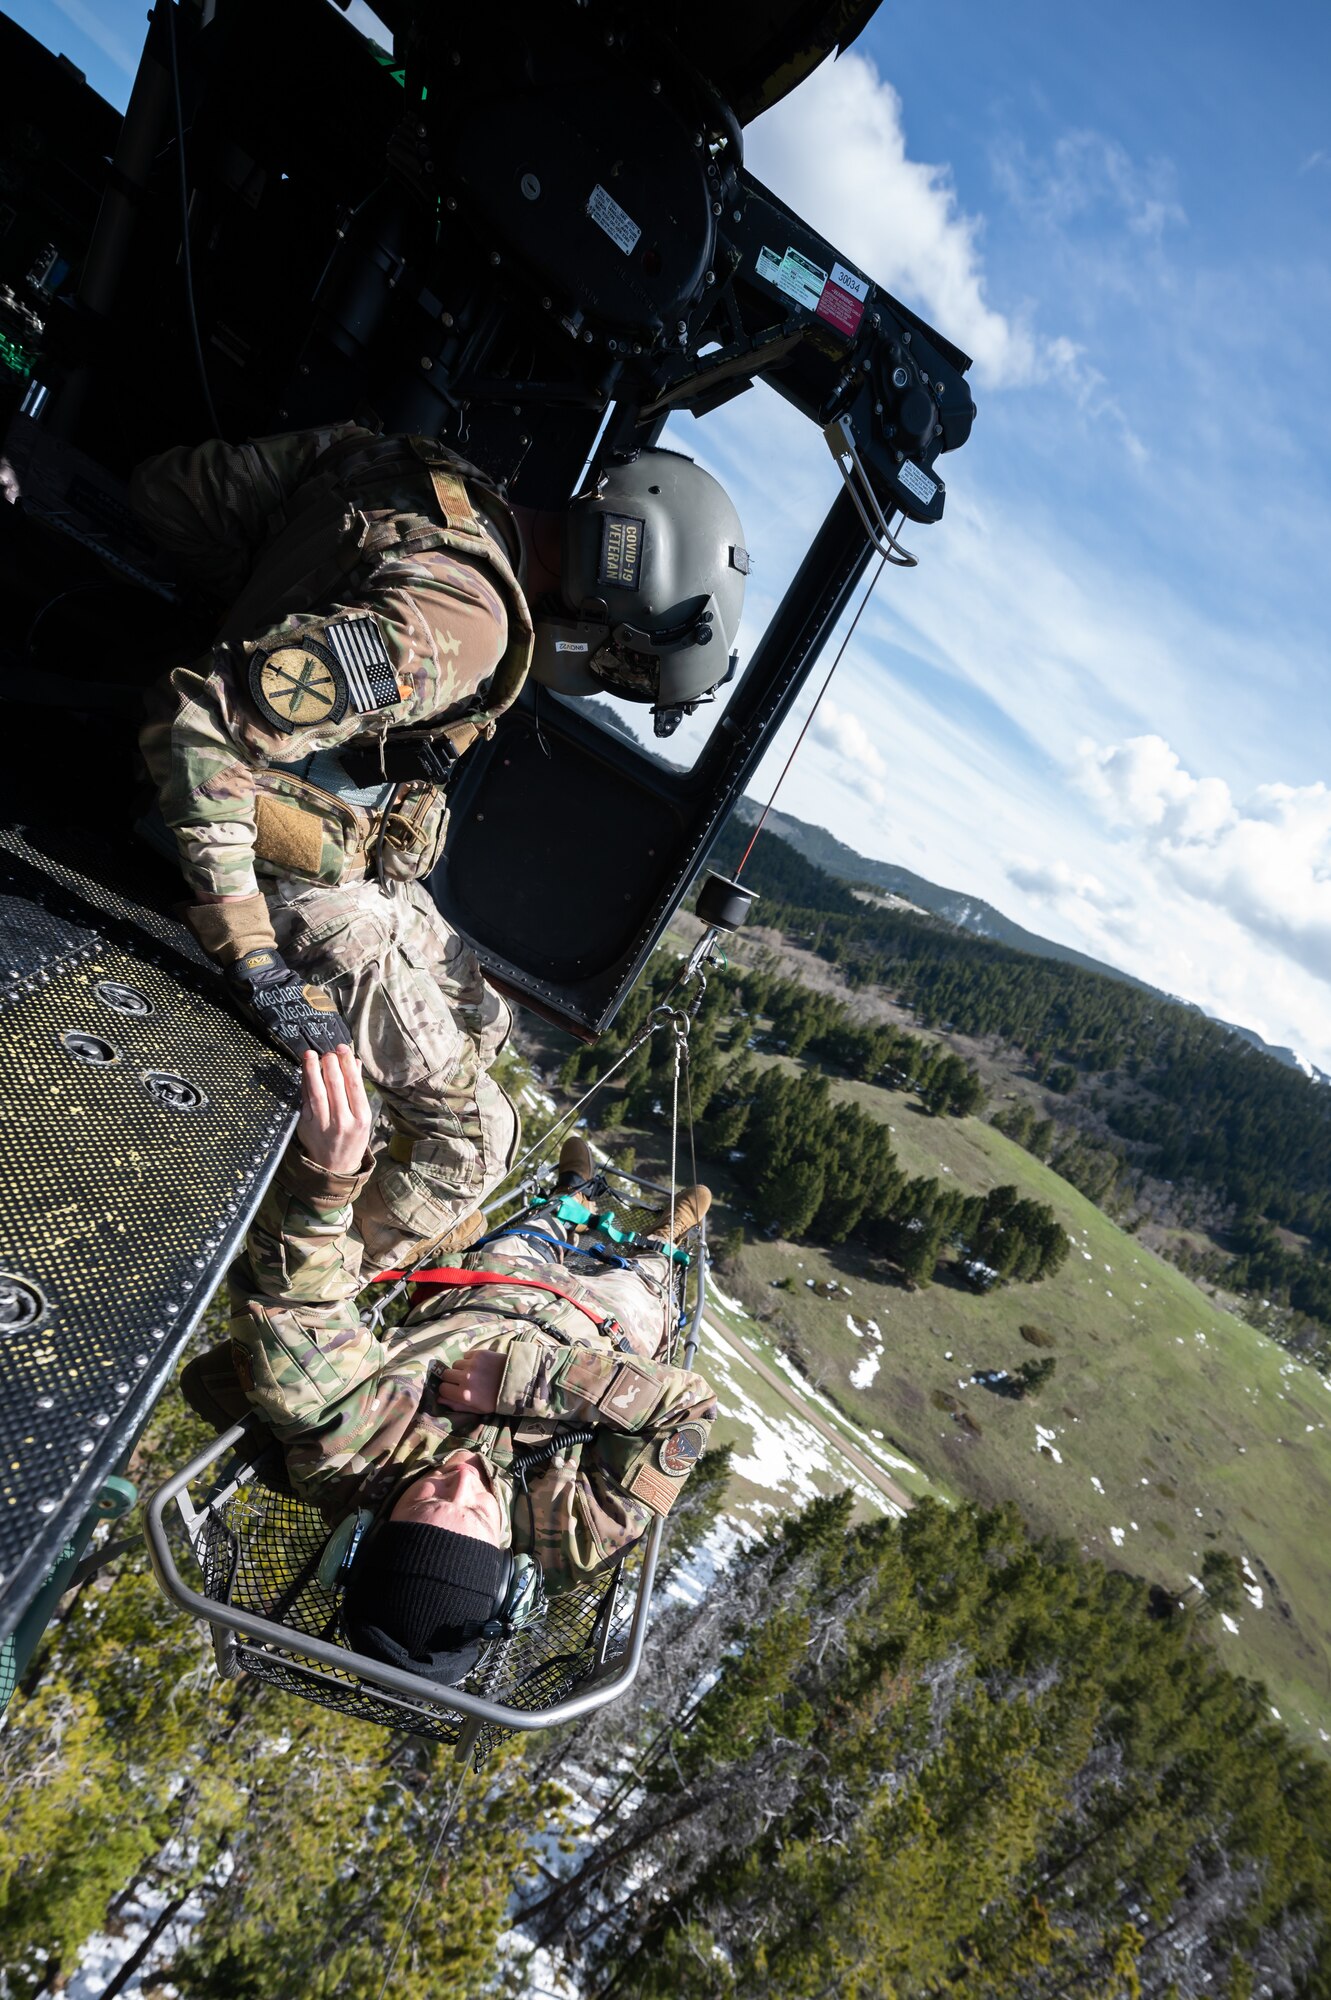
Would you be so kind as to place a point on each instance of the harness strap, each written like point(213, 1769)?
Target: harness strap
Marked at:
point(442, 1277)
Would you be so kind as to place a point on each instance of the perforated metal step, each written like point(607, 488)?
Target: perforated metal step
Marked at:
point(139, 1121)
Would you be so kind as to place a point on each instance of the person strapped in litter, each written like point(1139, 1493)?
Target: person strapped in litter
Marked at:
point(522, 1410)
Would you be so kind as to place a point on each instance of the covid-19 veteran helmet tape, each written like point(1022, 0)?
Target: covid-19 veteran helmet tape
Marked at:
point(652, 587)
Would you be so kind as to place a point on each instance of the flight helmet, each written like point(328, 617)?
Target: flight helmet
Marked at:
point(651, 588)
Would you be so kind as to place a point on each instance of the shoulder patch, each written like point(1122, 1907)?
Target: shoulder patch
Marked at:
point(298, 685)
point(316, 677)
point(363, 657)
point(653, 1488)
point(680, 1452)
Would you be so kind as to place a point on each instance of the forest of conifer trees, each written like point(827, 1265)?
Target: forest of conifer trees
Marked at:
point(895, 1760)
point(812, 1165)
point(1181, 1099)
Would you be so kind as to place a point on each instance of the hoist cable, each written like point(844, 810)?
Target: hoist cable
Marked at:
point(762, 820)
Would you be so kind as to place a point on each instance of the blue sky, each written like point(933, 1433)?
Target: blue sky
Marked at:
point(1101, 700)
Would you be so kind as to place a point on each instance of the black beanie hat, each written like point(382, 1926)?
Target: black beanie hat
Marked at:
point(417, 1601)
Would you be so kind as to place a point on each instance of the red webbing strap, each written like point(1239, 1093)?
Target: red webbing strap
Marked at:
point(442, 1276)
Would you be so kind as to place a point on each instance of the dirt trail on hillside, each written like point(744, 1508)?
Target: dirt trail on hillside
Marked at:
point(828, 1431)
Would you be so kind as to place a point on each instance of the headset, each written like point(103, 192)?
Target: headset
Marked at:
point(520, 1597)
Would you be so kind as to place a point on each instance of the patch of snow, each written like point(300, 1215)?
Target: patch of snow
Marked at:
point(862, 1374)
point(1096, 1484)
point(1046, 1438)
point(1116, 1536)
point(719, 1298)
point(1228, 1622)
point(1254, 1593)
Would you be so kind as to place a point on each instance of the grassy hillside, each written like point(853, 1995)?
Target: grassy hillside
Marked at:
point(1168, 1428)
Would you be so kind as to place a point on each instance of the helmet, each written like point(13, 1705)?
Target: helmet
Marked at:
point(652, 586)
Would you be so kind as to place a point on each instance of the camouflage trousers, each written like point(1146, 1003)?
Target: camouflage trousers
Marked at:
point(427, 1029)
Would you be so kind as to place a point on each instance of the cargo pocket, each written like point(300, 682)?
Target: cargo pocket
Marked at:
point(419, 1041)
point(282, 1369)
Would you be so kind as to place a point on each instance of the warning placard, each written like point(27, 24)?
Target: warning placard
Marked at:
point(839, 299)
point(794, 275)
point(842, 302)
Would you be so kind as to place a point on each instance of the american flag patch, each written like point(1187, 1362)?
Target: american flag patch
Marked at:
point(363, 658)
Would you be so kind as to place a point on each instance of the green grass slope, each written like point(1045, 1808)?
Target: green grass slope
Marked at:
point(1168, 1428)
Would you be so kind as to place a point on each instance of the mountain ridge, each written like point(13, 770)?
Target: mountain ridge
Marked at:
point(974, 915)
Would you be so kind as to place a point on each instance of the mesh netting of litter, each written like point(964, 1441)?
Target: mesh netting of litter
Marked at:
point(260, 1553)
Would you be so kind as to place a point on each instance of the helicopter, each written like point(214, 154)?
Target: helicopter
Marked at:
point(526, 230)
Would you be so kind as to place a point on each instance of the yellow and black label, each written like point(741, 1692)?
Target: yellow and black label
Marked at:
point(621, 551)
point(300, 685)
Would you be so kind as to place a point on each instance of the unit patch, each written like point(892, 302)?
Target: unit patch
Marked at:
point(680, 1452)
point(299, 686)
point(621, 551)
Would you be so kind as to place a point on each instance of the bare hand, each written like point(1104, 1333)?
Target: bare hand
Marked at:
point(472, 1383)
point(335, 1116)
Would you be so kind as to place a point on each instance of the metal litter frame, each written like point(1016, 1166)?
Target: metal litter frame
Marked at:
point(244, 1640)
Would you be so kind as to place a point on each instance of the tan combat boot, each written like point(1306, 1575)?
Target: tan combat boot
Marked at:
point(575, 1163)
point(691, 1205)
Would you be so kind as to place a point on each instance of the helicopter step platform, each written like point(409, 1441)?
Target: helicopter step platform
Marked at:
point(140, 1120)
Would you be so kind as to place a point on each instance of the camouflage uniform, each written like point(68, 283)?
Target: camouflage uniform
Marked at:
point(377, 563)
point(355, 1409)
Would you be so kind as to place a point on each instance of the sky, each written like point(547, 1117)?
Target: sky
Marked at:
point(1101, 700)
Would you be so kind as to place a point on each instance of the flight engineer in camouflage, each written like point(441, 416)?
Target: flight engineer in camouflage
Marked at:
point(421, 1424)
point(373, 596)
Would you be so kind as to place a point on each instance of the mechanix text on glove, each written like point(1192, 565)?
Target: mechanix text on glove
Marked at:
point(297, 1015)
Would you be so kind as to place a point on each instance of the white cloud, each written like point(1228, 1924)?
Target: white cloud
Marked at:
point(836, 149)
point(1062, 597)
point(1085, 174)
point(1265, 862)
point(1057, 882)
point(860, 765)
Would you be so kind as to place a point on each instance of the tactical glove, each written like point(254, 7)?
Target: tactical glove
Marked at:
point(298, 1016)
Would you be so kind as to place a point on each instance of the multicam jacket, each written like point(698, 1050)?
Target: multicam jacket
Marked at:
point(368, 593)
point(356, 1408)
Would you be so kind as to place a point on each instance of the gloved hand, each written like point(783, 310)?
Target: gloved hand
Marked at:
point(298, 1016)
